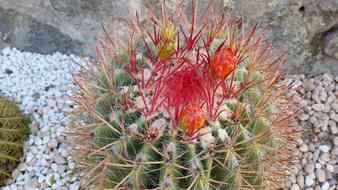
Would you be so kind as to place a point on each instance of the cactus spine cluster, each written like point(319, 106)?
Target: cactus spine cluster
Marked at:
point(183, 103)
point(13, 131)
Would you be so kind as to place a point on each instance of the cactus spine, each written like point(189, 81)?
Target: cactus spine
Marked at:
point(204, 114)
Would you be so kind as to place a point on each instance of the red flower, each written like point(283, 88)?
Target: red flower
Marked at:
point(223, 63)
point(192, 119)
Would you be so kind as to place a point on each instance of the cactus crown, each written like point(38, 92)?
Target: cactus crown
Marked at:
point(183, 103)
point(13, 131)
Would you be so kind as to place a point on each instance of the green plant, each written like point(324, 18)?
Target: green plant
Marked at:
point(183, 105)
point(13, 131)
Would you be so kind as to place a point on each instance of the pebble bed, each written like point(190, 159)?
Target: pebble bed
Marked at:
point(41, 86)
point(317, 168)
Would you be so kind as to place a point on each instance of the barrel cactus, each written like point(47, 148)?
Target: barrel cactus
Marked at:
point(183, 102)
point(13, 131)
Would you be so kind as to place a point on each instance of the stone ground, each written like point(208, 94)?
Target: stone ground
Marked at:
point(318, 146)
point(40, 85)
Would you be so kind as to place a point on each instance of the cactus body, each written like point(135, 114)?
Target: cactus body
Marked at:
point(13, 131)
point(169, 122)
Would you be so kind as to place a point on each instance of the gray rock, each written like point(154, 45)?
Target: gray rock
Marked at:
point(331, 42)
point(6, 18)
point(57, 25)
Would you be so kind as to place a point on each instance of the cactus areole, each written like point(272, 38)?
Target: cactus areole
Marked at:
point(183, 101)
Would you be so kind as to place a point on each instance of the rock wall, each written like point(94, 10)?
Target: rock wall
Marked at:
point(306, 29)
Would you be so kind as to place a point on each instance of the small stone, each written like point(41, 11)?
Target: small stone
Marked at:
point(74, 186)
point(324, 148)
point(53, 143)
point(318, 107)
point(318, 166)
point(51, 103)
point(59, 159)
point(303, 148)
point(325, 186)
point(309, 181)
point(61, 168)
point(303, 117)
point(295, 187)
point(300, 181)
point(334, 117)
point(63, 88)
point(33, 128)
point(329, 168)
point(23, 167)
point(54, 167)
point(38, 141)
point(320, 175)
point(31, 184)
point(308, 85)
point(333, 130)
point(16, 173)
point(309, 168)
point(335, 141)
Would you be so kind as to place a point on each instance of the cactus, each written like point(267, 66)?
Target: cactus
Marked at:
point(13, 131)
point(183, 103)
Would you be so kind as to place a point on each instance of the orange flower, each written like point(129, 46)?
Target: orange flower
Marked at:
point(192, 119)
point(223, 63)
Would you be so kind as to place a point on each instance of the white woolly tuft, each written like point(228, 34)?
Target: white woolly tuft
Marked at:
point(140, 158)
point(112, 117)
point(158, 125)
point(207, 140)
point(167, 182)
point(223, 135)
point(132, 128)
point(195, 164)
point(171, 149)
point(225, 113)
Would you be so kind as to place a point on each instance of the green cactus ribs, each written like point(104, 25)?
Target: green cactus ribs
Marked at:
point(187, 102)
point(13, 131)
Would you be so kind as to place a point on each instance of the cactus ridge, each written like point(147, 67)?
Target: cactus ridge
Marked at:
point(13, 131)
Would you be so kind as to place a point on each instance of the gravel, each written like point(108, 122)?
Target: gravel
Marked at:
point(40, 85)
point(317, 166)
